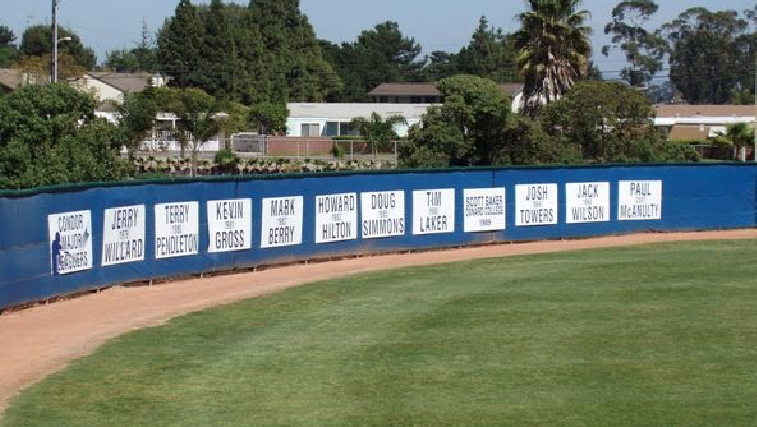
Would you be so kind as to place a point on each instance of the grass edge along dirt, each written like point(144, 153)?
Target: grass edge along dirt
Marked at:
point(650, 335)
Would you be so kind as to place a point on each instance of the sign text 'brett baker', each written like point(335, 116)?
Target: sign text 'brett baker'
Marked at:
point(639, 200)
point(535, 204)
point(282, 222)
point(177, 229)
point(383, 214)
point(587, 202)
point(335, 217)
point(229, 225)
point(484, 209)
point(123, 235)
point(434, 211)
point(70, 242)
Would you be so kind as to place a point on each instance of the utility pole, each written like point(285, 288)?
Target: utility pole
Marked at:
point(54, 67)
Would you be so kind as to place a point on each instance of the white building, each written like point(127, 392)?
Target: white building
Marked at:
point(329, 120)
point(700, 122)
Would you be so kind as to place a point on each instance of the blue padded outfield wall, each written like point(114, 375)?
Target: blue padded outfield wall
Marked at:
point(61, 241)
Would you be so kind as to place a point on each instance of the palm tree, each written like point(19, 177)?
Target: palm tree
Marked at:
point(737, 136)
point(554, 50)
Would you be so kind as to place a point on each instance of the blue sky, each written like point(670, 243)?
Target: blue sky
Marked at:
point(435, 24)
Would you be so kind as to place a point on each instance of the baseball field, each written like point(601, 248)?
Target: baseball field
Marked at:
point(653, 335)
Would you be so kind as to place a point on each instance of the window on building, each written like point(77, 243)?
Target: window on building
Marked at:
point(415, 99)
point(431, 100)
point(332, 128)
point(396, 99)
point(383, 99)
point(347, 129)
point(310, 130)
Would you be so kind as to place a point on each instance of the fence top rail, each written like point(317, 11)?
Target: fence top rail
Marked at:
point(74, 187)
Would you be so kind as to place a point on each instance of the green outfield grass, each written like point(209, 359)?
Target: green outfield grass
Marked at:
point(662, 335)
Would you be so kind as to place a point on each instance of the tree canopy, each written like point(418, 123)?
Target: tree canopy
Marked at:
point(266, 52)
point(49, 135)
point(711, 53)
point(37, 42)
point(8, 50)
point(644, 49)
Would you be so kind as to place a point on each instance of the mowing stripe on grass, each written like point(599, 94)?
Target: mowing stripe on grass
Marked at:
point(640, 336)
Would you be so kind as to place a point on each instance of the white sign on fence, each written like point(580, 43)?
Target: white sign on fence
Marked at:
point(177, 229)
point(70, 242)
point(335, 218)
point(587, 202)
point(229, 225)
point(535, 204)
point(282, 222)
point(434, 211)
point(383, 214)
point(639, 200)
point(123, 235)
point(485, 209)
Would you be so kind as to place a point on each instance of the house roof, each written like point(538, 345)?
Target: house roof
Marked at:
point(427, 89)
point(351, 111)
point(695, 111)
point(10, 78)
point(689, 133)
point(125, 82)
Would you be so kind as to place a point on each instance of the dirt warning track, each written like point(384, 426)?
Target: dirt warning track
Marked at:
point(41, 340)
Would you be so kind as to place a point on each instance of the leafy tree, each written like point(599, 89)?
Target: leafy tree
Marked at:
point(295, 68)
point(554, 50)
point(7, 37)
point(644, 49)
point(738, 135)
point(525, 142)
point(490, 54)
point(8, 51)
point(39, 67)
point(180, 43)
point(705, 63)
point(196, 111)
point(466, 130)
point(137, 118)
point(381, 54)
point(608, 123)
point(268, 118)
point(440, 65)
point(49, 135)
point(219, 56)
point(377, 131)
point(140, 58)
point(37, 42)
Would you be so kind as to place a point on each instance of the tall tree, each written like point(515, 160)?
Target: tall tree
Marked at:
point(180, 45)
point(381, 54)
point(143, 57)
point(196, 112)
point(8, 51)
point(704, 60)
point(554, 50)
point(219, 56)
point(644, 49)
point(37, 41)
point(490, 54)
point(291, 60)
